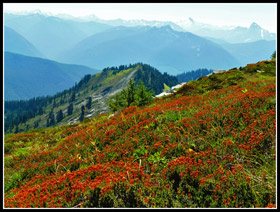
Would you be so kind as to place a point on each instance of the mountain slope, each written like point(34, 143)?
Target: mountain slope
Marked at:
point(50, 34)
point(26, 77)
point(95, 89)
point(14, 42)
point(203, 147)
point(163, 48)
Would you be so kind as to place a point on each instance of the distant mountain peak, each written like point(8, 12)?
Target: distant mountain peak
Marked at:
point(254, 25)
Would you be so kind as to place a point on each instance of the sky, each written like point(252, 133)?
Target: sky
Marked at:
point(219, 14)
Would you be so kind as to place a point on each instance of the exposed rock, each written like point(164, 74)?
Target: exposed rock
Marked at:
point(219, 71)
point(216, 72)
point(171, 90)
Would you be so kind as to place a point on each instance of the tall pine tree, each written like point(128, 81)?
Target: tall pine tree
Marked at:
point(73, 97)
point(59, 116)
point(88, 105)
point(130, 93)
point(51, 119)
point(143, 95)
point(82, 116)
point(70, 109)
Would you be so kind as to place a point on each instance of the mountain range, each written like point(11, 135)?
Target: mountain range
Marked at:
point(26, 77)
point(231, 34)
point(89, 41)
point(51, 35)
point(164, 48)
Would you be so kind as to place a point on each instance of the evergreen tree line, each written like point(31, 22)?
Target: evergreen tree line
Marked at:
point(131, 95)
point(20, 111)
point(154, 79)
point(150, 76)
point(193, 75)
point(116, 69)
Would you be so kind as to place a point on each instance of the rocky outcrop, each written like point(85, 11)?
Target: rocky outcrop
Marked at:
point(216, 72)
point(171, 90)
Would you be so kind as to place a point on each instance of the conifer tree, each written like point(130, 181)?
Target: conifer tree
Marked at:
point(70, 109)
point(59, 116)
point(132, 95)
point(61, 101)
point(51, 119)
point(36, 123)
point(273, 56)
point(143, 96)
point(54, 103)
point(116, 102)
point(73, 97)
point(88, 105)
point(40, 111)
point(82, 113)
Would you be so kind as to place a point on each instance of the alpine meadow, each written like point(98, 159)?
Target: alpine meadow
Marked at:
point(131, 112)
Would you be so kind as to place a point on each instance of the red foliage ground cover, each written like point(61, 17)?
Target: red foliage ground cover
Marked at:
point(214, 150)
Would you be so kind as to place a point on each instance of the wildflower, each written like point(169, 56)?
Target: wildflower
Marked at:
point(218, 187)
point(158, 144)
point(271, 205)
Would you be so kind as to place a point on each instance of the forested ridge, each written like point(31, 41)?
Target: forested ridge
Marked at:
point(18, 112)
